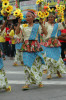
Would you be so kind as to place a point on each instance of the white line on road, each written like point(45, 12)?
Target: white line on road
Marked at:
point(44, 82)
point(14, 72)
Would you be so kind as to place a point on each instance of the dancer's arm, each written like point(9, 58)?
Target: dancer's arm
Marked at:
point(44, 30)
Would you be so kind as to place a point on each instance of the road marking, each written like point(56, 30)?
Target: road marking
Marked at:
point(14, 72)
point(44, 82)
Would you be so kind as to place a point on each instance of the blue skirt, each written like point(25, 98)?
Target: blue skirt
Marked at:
point(18, 46)
point(1, 63)
point(54, 52)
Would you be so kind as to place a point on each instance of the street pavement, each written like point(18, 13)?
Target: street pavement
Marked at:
point(54, 89)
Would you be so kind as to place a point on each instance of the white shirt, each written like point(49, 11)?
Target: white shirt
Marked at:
point(27, 32)
point(50, 27)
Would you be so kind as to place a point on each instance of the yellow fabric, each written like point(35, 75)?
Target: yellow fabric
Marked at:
point(2, 38)
point(12, 35)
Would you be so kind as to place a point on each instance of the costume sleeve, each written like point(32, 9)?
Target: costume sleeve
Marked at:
point(60, 26)
point(40, 29)
point(5, 34)
point(22, 28)
point(46, 25)
point(11, 33)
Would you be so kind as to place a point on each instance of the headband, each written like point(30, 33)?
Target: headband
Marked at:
point(32, 13)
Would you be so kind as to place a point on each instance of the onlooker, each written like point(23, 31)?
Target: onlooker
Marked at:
point(62, 38)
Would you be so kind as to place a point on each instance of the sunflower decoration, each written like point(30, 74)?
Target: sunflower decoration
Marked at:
point(6, 8)
point(39, 1)
point(4, 0)
point(2, 12)
point(9, 9)
point(62, 19)
point(43, 10)
point(5, 4)
point(25, 25)
point(46, 14)
point(39, 13)
point(60, 11)
point(21, 16)
point(17, 13)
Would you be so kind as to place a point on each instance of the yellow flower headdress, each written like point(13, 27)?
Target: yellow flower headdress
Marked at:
point(6, 8)
point(60, 11)
point(5, 4)
point(44, 9)
point(17, 13)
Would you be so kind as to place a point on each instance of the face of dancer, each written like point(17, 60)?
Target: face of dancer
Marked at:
point(51, 18)
point(29, 17)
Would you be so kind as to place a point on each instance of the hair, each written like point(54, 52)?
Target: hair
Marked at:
point(15, 24)
point(65, 49)
point(52, 13)
point(32, 13)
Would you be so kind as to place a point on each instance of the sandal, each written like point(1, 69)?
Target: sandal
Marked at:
point(8, 89)
point(26, 87)
point(40, 85)
point(22, 63)
point(15, 64)
point(4, 58)
point(44, 71)
point(59, 75)
point(49, 77)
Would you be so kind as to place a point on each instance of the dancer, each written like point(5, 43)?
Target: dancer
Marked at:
point(18, 43)
point(32, 58)
point(52, 48)
point(3, 79)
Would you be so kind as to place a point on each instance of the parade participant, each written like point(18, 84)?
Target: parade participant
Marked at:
point(18, 42)
point(52, 48)
point(12, 41)
point(32, 58)
point(62, 37)
point(2, 41)
point(3, 79)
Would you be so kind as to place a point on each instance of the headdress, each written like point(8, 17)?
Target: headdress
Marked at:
point(6, 8)
point(17, 13)
point(45, 10)
point(33, 14)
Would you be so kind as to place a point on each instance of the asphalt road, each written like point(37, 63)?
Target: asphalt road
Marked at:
point(54, 89)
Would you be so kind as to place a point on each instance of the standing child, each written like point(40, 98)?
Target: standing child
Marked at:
point(3, 79)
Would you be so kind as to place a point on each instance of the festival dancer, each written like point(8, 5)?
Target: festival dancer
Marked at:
point(52, 48)
point(3, 79)
point(32, 58)
point(18, 43)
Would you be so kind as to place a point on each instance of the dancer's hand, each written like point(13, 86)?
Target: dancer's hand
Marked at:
point(41, 21)
point(19, 20)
